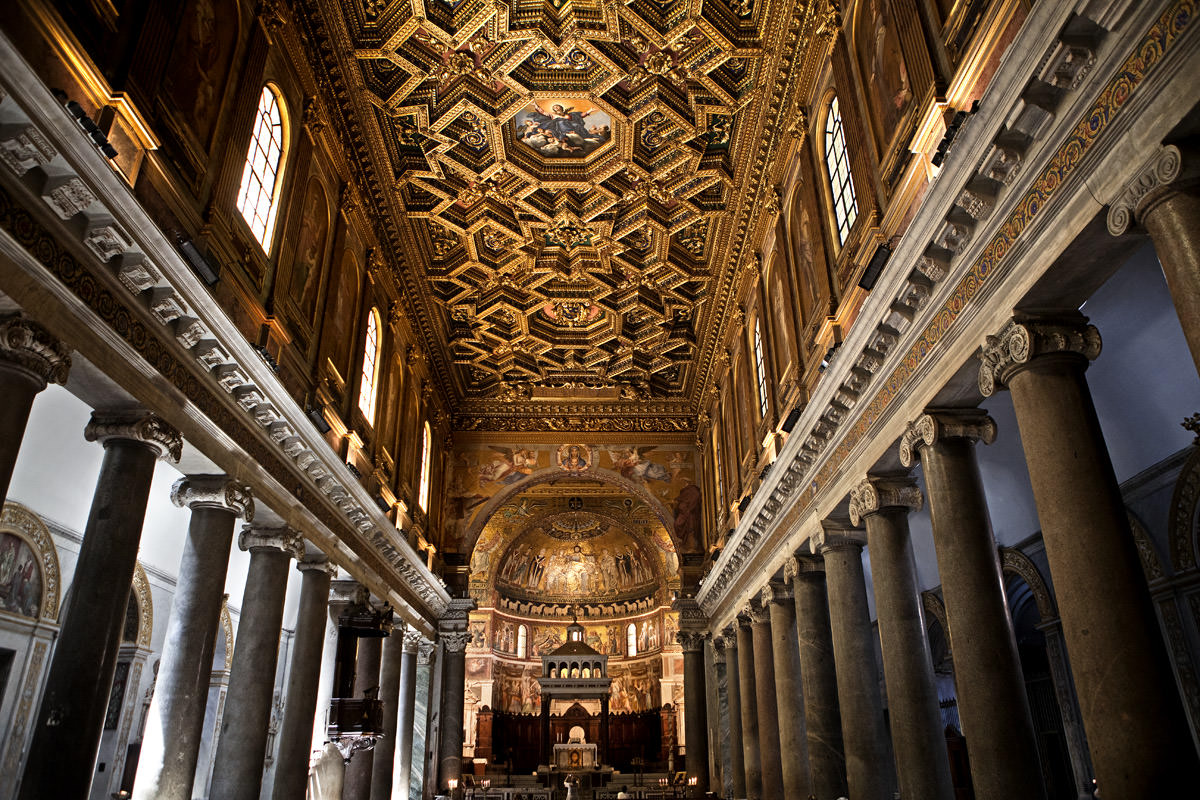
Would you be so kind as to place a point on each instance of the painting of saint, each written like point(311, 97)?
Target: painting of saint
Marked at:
point(687, 518)
point(887, 75)
point(341, 312)
point(556, 129)
point(310, 251)
point(20, 577)
point(632, 463)
point(508, 466)
point(199, 62)
point(574, 457)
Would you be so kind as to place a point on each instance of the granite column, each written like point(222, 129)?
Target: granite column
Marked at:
point(406, 715)
point(869, 766)
point(382, 772)
point(1136, 728)
point(70, 721)
point(175, 722)
point(922, 764)
point(768, 707)
point(300, 705)
point(29, 359)
point(992, 704)
point(747, 688)
point(733, 693)
point(452, 630)
point(789, 689)
point(356, 784)
point(822, 717)
point(242, 743)
point(696, 734)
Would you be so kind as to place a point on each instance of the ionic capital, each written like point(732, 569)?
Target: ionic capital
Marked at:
point(455, 641)
point(778, 591)
point(691, 641)
point(936, 425)
point(874, 495)
point(729, 636)
point(29, 347)
point(757, 611)
point(136, 426)
point(801, 566)
point(1022, 340)
point(836, 534)
point(412, 641)
point(214, 491)
point(317, 562)
point(1166, 171)
point(282, 539)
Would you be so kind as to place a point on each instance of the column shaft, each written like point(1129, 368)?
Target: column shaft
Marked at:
point(389, 692)
point(695, 700)
point(242, 744)
point(749, 694)
point(300, 702)
point(70, 720)
point(453, 693)
point(733, 694)
point(356, 785)
point(822, 715)
point(175, 723)
point(768, 708)
point(868, 763)
point(1174, 225)
point(789, 693)
point(406, 716)
point(1117, 655)
point(992, 705)
point(920, 746)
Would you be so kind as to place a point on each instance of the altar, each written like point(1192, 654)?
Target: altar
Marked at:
point(574, 756)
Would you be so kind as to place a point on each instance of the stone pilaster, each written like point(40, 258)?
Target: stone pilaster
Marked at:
point(883, 504)
point(737, 751)
point(1120, 664)
point(29, 359)
point(405, 717)
point(242, 742)
point(174, 725)
point(691, 637)
point(452, 631)
point(789, 688)
point(748, 689)
point(300, 707)
point(70, 720)
point(992, 705)
point(1164, 199)
point(868, 761)
point(822, 715)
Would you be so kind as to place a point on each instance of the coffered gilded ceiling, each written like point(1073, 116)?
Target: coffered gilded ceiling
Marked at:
point(565, 188)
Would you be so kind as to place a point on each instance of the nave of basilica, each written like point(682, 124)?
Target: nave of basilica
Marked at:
point(581, 399)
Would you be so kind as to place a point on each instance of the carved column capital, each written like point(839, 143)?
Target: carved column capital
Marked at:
point(946, 423)
point(317, 562)
point(136, 426)
point(718, 651)
point(1022, 339)
point(877, 494)
point(836, 534)
point(412, 641)
point(691, 641)
point(425, 651)
point(729, 637)
point(455, 641)
point(29, 347)
point(779, 591)
point(281, 538)
point(1167, 171)
point(691, 616)
point(757, 611)
point(214, 491)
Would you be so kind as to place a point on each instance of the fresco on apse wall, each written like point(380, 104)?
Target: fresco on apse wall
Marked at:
point(20, 577)
point(517, 688)
point(651, 635)
point(635, 687)
point(478, 473)
point(609, 564)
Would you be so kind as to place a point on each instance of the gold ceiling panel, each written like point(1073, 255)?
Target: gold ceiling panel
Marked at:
point(560, 183)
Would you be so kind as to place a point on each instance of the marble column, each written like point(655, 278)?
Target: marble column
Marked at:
point(70, 720)
point(695, 702)
point(356, 783)
point(822, 717)
point(922, 764)
point(992, 704)
point(789, 689)
point(406, 714)
point(733, 693)
point(747, 689)
point(242, 742)
point(29, 359)
point(768, 708)
point(452, 630)
point(1164, 199)
point(868, 762)
point(175, 722)
point(300, 701)
point(1134, 719)
point(389, 692)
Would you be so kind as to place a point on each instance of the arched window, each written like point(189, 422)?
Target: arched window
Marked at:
point(837, 161)
point(522, 642)
point(258, 197)
point(423, 491)
point(370, 368)
point(631, 640)
point(760, 370)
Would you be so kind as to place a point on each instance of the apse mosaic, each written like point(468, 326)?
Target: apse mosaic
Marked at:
point(607, 565)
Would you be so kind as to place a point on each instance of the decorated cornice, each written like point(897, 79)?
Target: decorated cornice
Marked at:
point(25, 344)
point(149, 302)
point(972, 424)
point(953, 253)
point(137, 426)
point(1022, 340)
point(218, 492)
